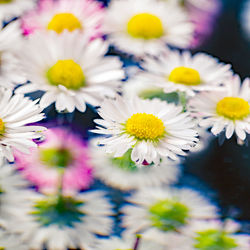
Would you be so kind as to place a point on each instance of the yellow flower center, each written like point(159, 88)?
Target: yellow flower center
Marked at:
point(145, 126)
point(66, 73)
point(2, 127)
point(63, 21)
point(145, 26)
point(185, 75)
point(233, 108)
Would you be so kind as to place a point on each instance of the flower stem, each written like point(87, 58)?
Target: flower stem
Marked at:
point(137, 242)
point(60, 182)
point(183, 100)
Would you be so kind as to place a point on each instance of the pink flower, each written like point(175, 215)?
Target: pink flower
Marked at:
point(203, 14)
point(61, 158)
point(83, 15)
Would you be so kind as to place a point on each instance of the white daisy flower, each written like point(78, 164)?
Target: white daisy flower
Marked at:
point(226, 110)
point(123, 173)
point(10, 241)
point(180, 71)
point(143, 26)
point(146, 90)
point(163, 214)
point(215, 234)
point(15, 113)
point(14, 197)
point(127, 243)
point(60, 222)
point(10, 69)
point(83, 15)
point(205, 138)
point(13, 8)
point(151, 128)
point(70, 70)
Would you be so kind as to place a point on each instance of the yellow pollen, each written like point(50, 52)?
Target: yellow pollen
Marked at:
point(145, 26)
point(2, 127)
point(67, 73)
point(145, 126)
point(185, 75)
point(233, 108)
point(63, 21)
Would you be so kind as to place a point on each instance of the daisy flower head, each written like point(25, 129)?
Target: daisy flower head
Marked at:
point(61, 157)
point(62, 222)
point(215, 234)
point(10, 241)
point(184, 72)
point(15, 113)
point(125, 174)
point(14, 8)
point(14, 197)
point(225, 111)
point(164, 214)
point(144, 26)
point(85, 16)
point(11, 72)
point(153, 129)
point(70, 70)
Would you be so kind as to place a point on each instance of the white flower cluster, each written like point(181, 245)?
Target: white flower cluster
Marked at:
point(72, 54)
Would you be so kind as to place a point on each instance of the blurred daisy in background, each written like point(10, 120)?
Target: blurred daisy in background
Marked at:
point(85, 16)
point(215, 234)
point(10, 69)
point(203, 14)
point(114, 243)
point(15, 113)
point(151, 128)
point(14, 198)
point(225, 111)
point(127, 243)
point(13, 8)
point(70, 70)
point(208, 6)
point(61, 157)
point(123, 173)
point(144, 26)
point(245, 18)
point(138, 87)
point(180, 71)
point(11, 241)
point(61, 222)
point(163, 213)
